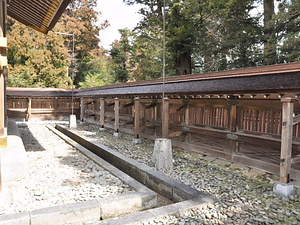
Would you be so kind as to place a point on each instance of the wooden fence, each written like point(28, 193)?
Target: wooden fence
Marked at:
point(242, 130)
point(28, 108)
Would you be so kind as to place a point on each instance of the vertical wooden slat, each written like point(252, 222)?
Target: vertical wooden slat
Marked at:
point(165, 118)
point(117, 115)
point(136, 117)
point(286, 139)
point(102, 112)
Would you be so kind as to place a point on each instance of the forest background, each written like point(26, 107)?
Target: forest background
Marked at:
point(201, 36)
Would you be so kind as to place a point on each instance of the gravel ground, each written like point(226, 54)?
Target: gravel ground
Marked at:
point(59, 174)
point(245, 195)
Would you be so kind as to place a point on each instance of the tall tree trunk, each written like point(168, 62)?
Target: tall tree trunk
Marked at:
point(184, 64)
point(270, 42)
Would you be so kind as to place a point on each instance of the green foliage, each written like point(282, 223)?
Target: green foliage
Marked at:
point(36, 60)
point(97, 70)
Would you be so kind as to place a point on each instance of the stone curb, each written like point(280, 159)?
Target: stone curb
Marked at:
point(92, 210)
point(167, 186)
point(185, 196)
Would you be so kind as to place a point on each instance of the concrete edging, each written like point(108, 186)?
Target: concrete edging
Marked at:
point(167, 186)
point(143, 198)
point(185, 196)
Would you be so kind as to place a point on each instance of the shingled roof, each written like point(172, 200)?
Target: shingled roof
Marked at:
point(264, 79)
point(39, 15)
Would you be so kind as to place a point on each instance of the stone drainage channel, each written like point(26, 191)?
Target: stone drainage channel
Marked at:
point(139, 206)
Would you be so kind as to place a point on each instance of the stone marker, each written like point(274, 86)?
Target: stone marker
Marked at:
point(284, 189)
point(73, 124)
point(162, 155)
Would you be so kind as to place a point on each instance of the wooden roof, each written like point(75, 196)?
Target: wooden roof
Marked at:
point(15, 92)
point(280, 78)
point(39, 15)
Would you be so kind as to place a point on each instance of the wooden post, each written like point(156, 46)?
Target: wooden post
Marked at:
point(165, 117)
point(286, 139)
point(102, 113)
point(233, 118)
point(82, 109)
point(234, 143)
point(155, 120)
point(117, 115)
point(3, 74)
point(28, 115)
point(187, 122)
point(136, 118)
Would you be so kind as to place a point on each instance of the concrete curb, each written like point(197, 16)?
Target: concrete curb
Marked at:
point(185, 196)
point(92, 210)
point(167, 186)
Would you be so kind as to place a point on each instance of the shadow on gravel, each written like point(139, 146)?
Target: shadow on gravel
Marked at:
point(31, 144)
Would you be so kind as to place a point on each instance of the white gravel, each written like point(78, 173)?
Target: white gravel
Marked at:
point(243, 199)
point(59, 174)
point(245, 195)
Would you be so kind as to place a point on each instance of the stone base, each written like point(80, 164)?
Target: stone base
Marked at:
point(284, 189)
point(73, 123)
point(102, 129)
point(137, 141)
point(117, 134)
point(13, 165)
point(162, 155)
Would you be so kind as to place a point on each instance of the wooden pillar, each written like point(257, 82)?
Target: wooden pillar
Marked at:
point(28, 114)
point(155, 120)
point(187, 122)
point(82, 109)
point(3, 74)
point(117, 115)
point(165, 117)
point(102, 112)
point(137, 117)
point(286, 139)
point(233, 118)
point(234, 143)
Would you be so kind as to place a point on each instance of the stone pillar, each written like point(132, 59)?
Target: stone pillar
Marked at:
point(162, 155)
point(73, 122)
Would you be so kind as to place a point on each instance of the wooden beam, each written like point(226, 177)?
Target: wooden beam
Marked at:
point(137, 117)
point(296, 159)
point(296, 119)
point(102, 112)
point(128, 105)
point(286, 139)
point(165, 118)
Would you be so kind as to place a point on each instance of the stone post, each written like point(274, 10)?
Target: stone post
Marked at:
point(162, 155)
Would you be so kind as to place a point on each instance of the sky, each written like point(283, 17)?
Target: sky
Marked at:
point(119, 15)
